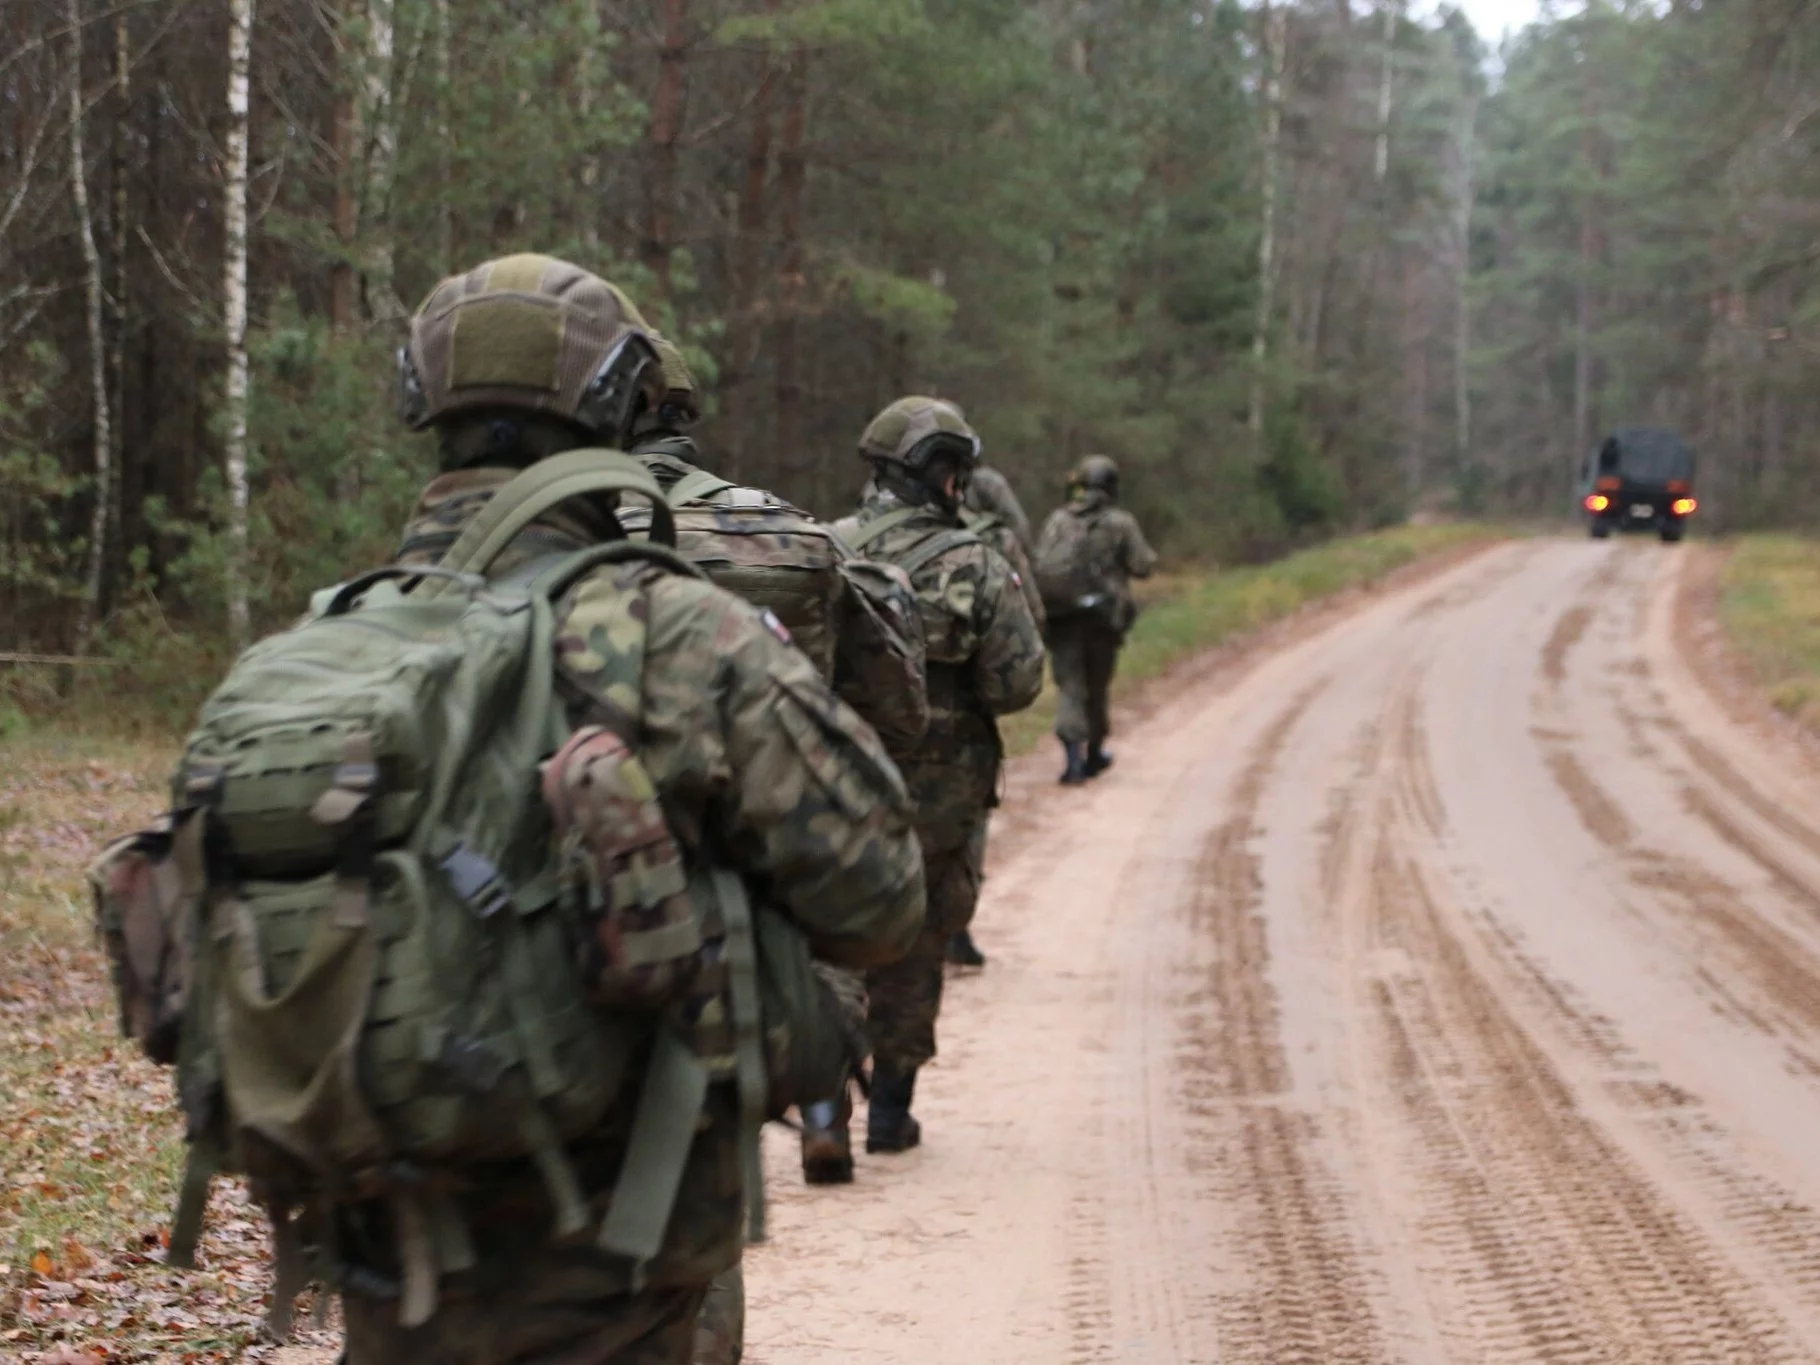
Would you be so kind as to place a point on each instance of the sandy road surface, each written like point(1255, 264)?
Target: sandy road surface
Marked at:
point(1444, 986)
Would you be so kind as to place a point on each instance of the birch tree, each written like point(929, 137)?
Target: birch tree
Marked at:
point(1276, 44)
point(234, 310)
point(102, 436)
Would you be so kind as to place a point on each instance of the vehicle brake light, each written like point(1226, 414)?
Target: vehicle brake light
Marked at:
point(1609, 483)
point(1684, 507)
point(1597, 502)
point(1677, 485)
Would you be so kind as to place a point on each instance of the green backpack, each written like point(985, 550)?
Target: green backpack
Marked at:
point(356, 934)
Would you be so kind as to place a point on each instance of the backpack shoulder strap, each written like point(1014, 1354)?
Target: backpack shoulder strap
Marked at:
point(931, 548)
point(693, 487)
point(546, 484)
point(877, 527)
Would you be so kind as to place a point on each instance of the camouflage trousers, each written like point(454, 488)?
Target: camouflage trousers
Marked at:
point(904, 998)
point(657, 1327)
point(720, 1330)
point(1083, 652)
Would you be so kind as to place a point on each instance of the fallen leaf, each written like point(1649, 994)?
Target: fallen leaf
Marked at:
point(43, 1265)
point(76, 1256)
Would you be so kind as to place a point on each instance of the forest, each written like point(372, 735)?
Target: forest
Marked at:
point(1301, 267)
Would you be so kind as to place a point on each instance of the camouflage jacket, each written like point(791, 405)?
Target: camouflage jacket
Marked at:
point(990, 494)
point(985, 658)
point(1112, 548)
point(735, 535)
point(754, 759)
point(1001, 537)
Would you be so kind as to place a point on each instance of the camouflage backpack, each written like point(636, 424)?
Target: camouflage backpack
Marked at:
point(759, 547)
point(832, 603)
point(1071, 565)
point(401, 920)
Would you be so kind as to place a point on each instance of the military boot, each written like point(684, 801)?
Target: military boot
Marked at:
point(827, 1149)
point(1076, 771)
point(889, 1127)
point(963, 952)
point(1098, 760)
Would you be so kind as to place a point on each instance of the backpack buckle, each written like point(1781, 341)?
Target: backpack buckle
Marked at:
point(477, 880)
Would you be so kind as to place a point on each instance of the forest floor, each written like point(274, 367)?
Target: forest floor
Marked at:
point(90, 1147)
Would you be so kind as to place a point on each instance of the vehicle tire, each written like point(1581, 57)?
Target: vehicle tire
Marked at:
point(1601, 528)
point(1672, 532)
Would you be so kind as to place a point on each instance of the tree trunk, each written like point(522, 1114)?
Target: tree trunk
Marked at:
point(379, 123)
point(123, 95)
point(666, 132)
point(1386, 74)
point(1462, 307)
point(445, 211)
point(791, 174)
point(1276, 43)
point(742, 328)
point(234, 307)
point(344, 282)
point(97, 346)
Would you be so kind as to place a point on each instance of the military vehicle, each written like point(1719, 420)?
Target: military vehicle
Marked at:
point(1640, 479)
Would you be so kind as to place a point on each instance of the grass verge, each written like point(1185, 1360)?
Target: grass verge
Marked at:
point(1769, 605)
point(1188, 611)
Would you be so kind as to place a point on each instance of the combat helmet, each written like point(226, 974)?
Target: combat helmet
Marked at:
point(681, 405)
point(1097, 473)
point(923, 440)
point(536, 335)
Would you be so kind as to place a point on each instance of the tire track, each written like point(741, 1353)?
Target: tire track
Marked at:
point(1561, 1249)
point(1307, 1298)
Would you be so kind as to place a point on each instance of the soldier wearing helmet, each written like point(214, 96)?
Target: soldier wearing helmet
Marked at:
point(991, 510)
point(1090, 550)
point(985, 656)
point(518, 360)
point(856, 618)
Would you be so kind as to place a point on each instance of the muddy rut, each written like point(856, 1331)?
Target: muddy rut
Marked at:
point(1439, 985)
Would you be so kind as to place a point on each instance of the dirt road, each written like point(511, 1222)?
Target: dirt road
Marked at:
point(1442, 986)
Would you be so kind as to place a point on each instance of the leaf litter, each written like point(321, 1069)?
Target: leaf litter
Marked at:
point(91, 1142)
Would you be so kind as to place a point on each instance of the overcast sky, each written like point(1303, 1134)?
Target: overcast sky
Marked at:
point(1494, 18)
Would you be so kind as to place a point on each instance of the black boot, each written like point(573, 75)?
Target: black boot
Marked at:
point(889, 1127)
point(827, 1149)
point(963, 952)
point(1076, 771)
point(1098, 760)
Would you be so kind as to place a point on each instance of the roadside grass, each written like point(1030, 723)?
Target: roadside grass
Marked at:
point(1192, 609)
point(1769, 605)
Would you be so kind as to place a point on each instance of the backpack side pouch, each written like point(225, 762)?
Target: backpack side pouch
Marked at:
point(145, 918)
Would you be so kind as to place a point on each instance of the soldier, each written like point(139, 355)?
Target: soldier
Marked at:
point(856, 620)
point(1090, 550)
point(990, 495)
point(751, 754)
point(992, 512)
point(985, 660)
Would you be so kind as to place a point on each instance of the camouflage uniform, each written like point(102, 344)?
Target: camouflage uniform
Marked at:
point(752, 756)
point(1084, 644)
point(875, 662)
point(985, 660)
point(989, 493)
point(814, 808)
